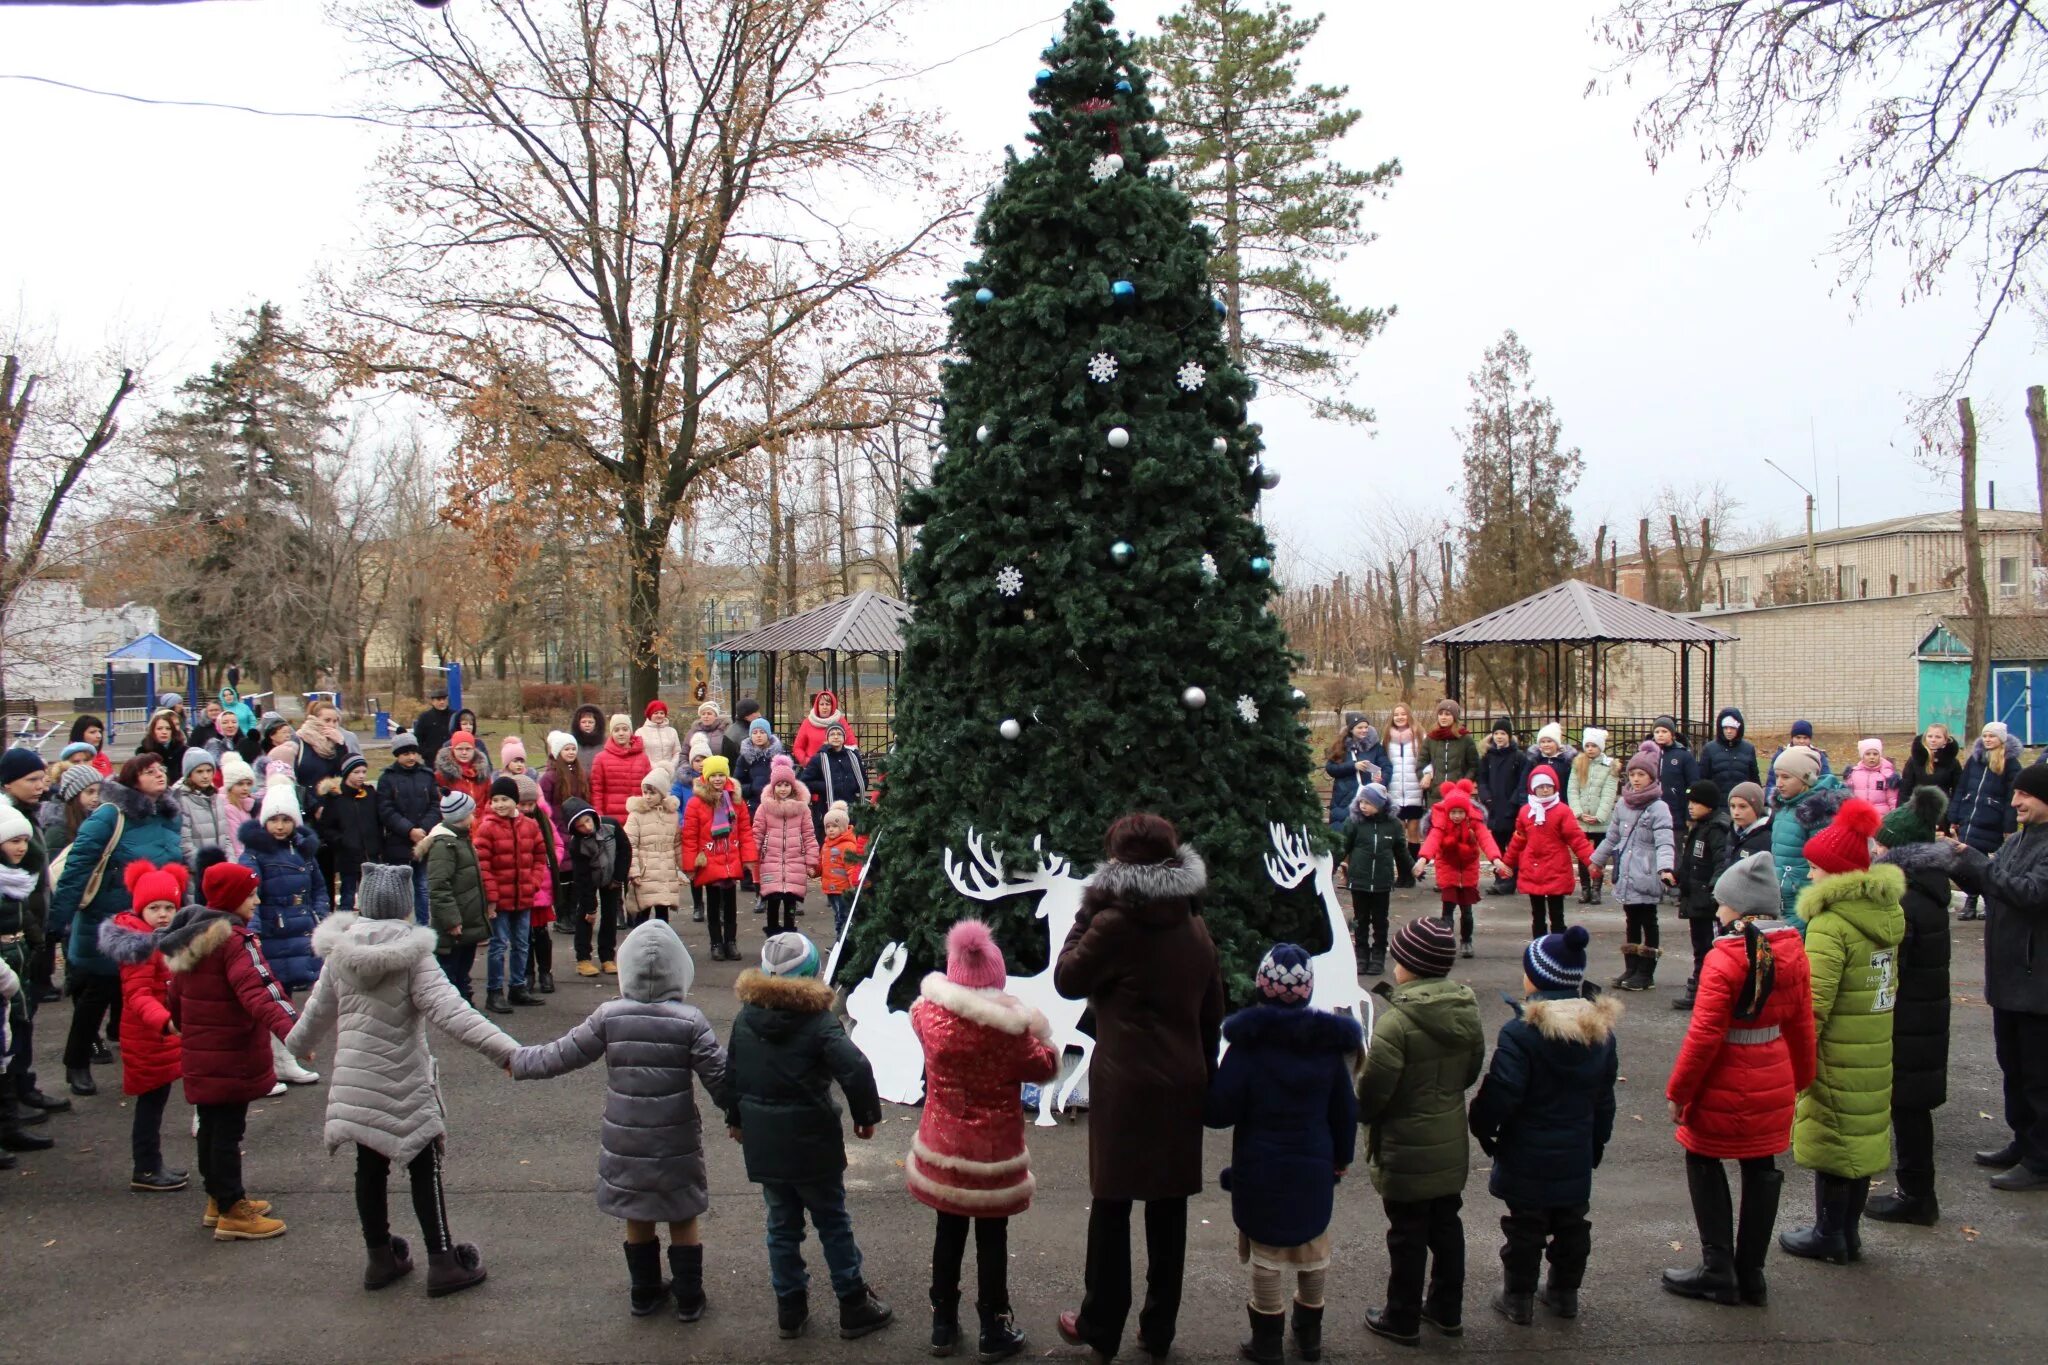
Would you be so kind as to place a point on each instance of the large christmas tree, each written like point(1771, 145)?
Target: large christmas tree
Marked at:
point(1091, 634)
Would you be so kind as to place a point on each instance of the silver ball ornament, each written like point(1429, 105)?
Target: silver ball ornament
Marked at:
point(1299, 697)
point(1118, 438)
point(1220, 446)
point(1122, 552)
point(984, 434)
point(1010, 728)
point(1194, 698)
point(1269, 477)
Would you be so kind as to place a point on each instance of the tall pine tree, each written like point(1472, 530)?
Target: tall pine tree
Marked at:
point(1091, 576)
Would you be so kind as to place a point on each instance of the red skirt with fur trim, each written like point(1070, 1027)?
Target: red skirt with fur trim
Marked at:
point(980, 1046)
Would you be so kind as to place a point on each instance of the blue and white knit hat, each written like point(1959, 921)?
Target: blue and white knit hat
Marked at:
point(457, 807)
point(1557, 962)
point(1287, 976)
point(1372, 793)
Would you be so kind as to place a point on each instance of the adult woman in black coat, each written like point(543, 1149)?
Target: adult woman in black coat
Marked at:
point(1920, 1017)
point(1936, 760)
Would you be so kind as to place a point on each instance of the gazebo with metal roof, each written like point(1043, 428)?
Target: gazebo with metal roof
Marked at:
point(151, 650)
point(838, 633)
point(1575, 618)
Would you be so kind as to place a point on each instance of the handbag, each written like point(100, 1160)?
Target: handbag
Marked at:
point(92, 883)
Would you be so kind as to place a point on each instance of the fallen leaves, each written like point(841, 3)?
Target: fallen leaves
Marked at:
point(1969, 1233)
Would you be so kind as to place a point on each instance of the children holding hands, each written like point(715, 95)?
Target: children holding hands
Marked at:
point(1457, 842)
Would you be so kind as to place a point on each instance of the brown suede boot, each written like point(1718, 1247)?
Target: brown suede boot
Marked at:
point(243, 1223)
point(211, 1218)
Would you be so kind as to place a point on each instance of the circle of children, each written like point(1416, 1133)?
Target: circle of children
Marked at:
point(1824, 945)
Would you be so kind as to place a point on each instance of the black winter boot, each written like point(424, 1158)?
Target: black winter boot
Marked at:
point(792, 1314)
point(1267, 1344)
point(494, 1001)
point(388, 1264)
point(454, 1270)
point(1559, 1300)
point(643, 1270)
point(945, 1322)
point(861, 1313)
point(1000, 1338)
point(79, 1078)
point(1914, 1203)
point(1382, 1323)
point(1852, 1215)
point(1520, 1309)
point(1626, 981)
point(1714, 1278)
point(1308, 1331)
point(686, 1283)
point(15, 1138)
point(1825, 1239)
point(519, 995)
point(1760, 1192)
point(547, 983)
point(1692, 991)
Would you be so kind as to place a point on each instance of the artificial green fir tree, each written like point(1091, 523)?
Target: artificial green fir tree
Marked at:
point(1091, 634)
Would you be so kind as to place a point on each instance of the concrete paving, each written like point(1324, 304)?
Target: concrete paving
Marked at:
point(92, 1272)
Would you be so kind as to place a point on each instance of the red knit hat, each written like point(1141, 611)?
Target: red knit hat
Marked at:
point(148, 883)
point(972, 958)
point(226, 885)
point(656, 705)
point(1457, 796)
point(1844, 846)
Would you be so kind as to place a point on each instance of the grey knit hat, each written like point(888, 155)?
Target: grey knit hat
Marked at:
point(403, 740)
point(76, 779)
point(385, 892)
point(1750, 887)
point(195, 759)
point(457, 807)
point(789, 954)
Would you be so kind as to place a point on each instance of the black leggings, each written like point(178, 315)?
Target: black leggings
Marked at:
point(373, 1202)
point(1546, 915)
point(1464, 913)
point(991, 1259)
point(1642, 924)
point(96, 998)
point(603, 901)
point(722, 912)
point(1702, 942)
point(220, 1152)
point(781, 910)
point(540, 955)
point(1369, 909)
point(1106, 1296)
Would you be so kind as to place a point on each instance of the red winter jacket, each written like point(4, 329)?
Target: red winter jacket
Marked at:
point(1736, 1096)
point(1545, 857)
point(1457, 847)
point(226, 1004)
point(787, 843)
point(724, 856)
point(615, 777)
point(472, 779)
point(969, 1156)
point(149, 1048)
point(512, 862)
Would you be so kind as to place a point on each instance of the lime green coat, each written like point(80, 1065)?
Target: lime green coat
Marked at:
point(1854, 925)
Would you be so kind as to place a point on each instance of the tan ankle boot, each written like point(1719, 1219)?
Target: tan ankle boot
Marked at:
point(211, 1218)
point(243, 1223)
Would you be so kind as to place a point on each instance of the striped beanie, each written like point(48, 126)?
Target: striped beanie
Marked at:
point(1287, 976)
point(1425, 946)
point(1557, 962)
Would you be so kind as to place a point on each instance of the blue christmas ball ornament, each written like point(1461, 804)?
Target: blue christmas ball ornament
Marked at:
point(1221, 311)
point(984, 296)
point(1044, 75)
point(1123, 87)
point(1122, 551)
point(1262, 566)
point(1124, 289)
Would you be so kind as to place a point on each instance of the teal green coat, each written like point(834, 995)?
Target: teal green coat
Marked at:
point(1854, 926)
point(149, 829)
point(1788, 847)
point(1427, 1050)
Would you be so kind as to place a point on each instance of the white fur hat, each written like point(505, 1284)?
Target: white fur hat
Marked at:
point(560, 741)
point(281, 797)
point(1593, 734)
point(233, 769)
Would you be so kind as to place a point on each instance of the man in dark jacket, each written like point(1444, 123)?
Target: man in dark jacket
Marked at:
point(787, 1052)
point(1920, 1018)
point(23, 779)
point(1702, 858)
point(1728, 758)
point(1678, 767)
point(408, 805)
point(1544, 1113)
point(431, 729)
point(736, 733)
point(2014, 885)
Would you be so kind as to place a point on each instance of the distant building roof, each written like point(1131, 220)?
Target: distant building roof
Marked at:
point(2012, 637)
point(865, 623)
point(1921, 523)
point(1577, 612)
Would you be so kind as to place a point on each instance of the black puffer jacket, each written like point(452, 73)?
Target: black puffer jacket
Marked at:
point(1920, 1019)
point(1728, 764)
point(407, 799)
point(1503, 777)
point(1702, 856)
point(1942, 769)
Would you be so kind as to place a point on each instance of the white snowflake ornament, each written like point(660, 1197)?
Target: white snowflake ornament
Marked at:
point(1191, 376)
point(1105, 167)
point(1102, 368)
point(1208, 566)
point(1009, 581)
point(1247, 710)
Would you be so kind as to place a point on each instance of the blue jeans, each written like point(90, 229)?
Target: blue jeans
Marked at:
point(839, 901)
point(510, 929)
point(351, 878)
point(826, 1202)
point(456, 963)
point(419, 894)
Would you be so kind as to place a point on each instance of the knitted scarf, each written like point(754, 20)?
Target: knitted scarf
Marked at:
point(1539, 806)
point(721, 814)
point(315, 736)
point(1638, 800)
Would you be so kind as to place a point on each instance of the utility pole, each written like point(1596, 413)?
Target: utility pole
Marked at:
point(1812, 565)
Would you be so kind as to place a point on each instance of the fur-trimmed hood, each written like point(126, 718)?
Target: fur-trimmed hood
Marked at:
point(1911, 858)
point(647, 802)
point(445, 765)
point(256, 839)
point(790, 806)
point(1296, 1028)
point(128, 940)
point(193, 934)
point(1135, 885)
point(1004, 1013)
point(1572, 1019)
point(791, 994)
point(363, 952)
point(133, 805)
point(1870, 901)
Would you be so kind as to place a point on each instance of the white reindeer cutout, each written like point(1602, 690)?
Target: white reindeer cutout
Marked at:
point(1059, 905)
point(885, 1035)
point(1337, 988)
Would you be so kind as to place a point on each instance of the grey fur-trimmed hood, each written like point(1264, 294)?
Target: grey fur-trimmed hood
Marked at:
point(1184, 878)
point(133, 805)
point(364, 952)
point(1911, 858)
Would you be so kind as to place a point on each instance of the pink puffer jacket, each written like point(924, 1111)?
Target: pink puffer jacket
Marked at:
point(788, 844)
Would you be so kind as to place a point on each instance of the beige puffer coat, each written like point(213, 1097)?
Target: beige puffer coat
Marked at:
point(652, 829)
point(380, 984)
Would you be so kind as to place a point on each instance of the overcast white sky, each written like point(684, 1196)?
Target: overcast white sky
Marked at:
point(1670, 355)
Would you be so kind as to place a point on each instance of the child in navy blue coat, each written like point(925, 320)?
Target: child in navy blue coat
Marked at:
point(1544, 1114)
point(291, 900)
point(1284, 1088)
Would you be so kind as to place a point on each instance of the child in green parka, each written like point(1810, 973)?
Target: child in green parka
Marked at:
point(1376, 856)
point(1427, 1051)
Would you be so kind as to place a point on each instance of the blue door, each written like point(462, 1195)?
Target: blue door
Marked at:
point(2037, 731)
point(2011, 700)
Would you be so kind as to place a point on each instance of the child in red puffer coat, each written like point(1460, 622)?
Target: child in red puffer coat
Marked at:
point(1547, 851)
point(968, 1161)
point(151, 1053)
point(1458, 842)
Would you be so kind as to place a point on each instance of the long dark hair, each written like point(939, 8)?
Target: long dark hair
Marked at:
point(84, 723)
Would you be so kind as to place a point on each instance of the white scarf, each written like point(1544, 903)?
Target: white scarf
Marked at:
point(1539, 806)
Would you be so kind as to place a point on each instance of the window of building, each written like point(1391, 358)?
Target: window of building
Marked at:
point(2008, 575)
point(1738, 591)
point(736, 615)
point(1845, 582)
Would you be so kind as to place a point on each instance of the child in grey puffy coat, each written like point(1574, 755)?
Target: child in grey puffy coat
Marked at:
point(650, 1165)
point(1640, 854)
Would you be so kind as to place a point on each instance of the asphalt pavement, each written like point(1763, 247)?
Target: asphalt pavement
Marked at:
point(92, 1272)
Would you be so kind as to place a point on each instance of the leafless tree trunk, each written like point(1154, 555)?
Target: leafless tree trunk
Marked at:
point(2037, 422)
point(1693, 560)
point(1975, 591)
